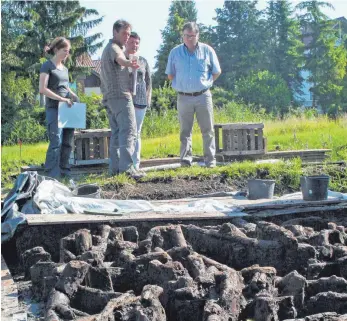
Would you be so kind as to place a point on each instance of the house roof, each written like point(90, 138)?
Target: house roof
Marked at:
point(97, 66)
point(86, 61)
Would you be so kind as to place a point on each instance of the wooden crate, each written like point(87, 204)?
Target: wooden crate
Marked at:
point(91, 146)
point(240, 139)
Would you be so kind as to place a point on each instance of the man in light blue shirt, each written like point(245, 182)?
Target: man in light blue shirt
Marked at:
point(192, 67)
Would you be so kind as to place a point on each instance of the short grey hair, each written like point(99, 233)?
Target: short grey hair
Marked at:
point(191, 26)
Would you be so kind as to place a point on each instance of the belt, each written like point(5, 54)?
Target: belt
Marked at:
point(193, 94)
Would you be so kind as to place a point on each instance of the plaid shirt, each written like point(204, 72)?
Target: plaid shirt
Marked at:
point(115, 79)
point(143, 85)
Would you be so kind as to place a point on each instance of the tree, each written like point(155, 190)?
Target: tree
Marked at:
point(27, 26)
point(285, 50)
point(180, 12)
point(49, 19)
point(326, 58)
point(240, 40)
point(264, 89)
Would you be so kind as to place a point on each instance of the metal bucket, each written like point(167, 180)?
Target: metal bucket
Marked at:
point(260, 188)
point(314, 188)
point(87, 190)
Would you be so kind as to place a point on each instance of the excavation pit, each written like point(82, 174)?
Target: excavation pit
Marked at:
point(277, 263)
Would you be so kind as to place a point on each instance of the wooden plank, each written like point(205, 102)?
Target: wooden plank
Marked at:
point(106, 146)
point(73, 149)
point(260, 139)
point(242, 152)
point(102, 147)
point(225, 142)
point(230, 141)
point(243, 126)
point(239, 140)
point(216, 138)
point(47, 219)
point(144, 163)
point(91, 148)
point(244, 139)
point(252, 139)
point(275, 204)
point(93, 134)
point(97, 147)
point(296, 211)
point(236, 140)
point(85, 143)
point(294, 207)
point(92, 161)
point(78, 154)
point(298, 152)
point(231, 137)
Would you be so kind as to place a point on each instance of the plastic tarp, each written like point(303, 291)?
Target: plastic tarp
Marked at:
point(331, 196)
point(19, 202)
point(33, 194)
point(56, 198)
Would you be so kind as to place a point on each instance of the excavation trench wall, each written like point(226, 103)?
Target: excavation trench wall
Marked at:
point(277, 267)
point(48, 236)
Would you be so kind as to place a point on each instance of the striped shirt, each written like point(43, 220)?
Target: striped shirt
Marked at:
point(143, 85)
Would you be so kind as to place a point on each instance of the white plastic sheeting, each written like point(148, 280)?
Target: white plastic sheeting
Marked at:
point(35, 194)
point(298, 196)
point(55, 198)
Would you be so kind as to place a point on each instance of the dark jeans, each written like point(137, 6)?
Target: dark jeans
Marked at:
point(60, 145)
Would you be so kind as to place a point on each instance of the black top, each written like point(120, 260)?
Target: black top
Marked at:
point(58, 81)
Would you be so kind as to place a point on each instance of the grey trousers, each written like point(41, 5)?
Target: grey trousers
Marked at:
point(202, 106)
point(60, 145)
point(121, 115)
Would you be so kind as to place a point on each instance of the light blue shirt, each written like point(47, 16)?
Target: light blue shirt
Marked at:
point(192, 72)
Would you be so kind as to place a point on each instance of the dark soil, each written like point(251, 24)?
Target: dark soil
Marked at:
point(173, 188)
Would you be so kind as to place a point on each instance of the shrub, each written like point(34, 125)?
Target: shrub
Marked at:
point(221, 97)
point(164, 98)
point(23, 127)
point(265, 90)
point(96, 111)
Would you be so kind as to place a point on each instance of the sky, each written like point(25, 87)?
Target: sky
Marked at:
point(149, 17)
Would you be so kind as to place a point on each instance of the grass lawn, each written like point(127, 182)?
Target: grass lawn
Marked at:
point(289, 134)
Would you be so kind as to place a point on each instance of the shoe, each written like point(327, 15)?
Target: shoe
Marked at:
point(185, 163)
point(141, 171)
point(133, 173)
point(211, 165)
point(66, 175)
point(65, 172)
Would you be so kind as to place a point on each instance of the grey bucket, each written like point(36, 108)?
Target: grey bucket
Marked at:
point(314, 188)
point(260, 188)
point(87, 190)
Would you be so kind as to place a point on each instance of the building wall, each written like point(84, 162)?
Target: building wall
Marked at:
point(92, 81)
point(306, 96)
point(90, 90)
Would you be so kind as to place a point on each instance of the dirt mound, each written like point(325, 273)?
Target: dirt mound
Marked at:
point(173, 188)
